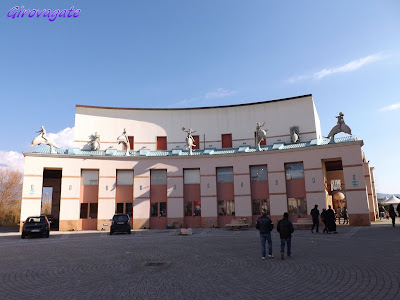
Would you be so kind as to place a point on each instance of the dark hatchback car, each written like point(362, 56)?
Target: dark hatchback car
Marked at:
point(36, 226)
point(120, 223)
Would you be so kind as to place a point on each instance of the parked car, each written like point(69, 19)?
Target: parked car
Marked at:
point(36, 226)
point(120, 223)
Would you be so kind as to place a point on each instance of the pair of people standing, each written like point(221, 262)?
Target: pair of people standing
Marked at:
point(285, 229)
point(328, 218)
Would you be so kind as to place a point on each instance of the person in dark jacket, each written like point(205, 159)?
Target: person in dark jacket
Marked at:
point(330, 219)
point(265, 226)
point(382, 212)
point(315, 218)
point(285, 229)
point(392, 214)
point(323, 218)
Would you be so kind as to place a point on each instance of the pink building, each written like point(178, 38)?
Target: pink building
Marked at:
point(159, 184)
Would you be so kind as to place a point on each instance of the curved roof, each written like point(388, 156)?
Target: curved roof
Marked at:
point(189, 108)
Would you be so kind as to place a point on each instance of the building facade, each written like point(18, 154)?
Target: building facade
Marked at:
point(160, 185)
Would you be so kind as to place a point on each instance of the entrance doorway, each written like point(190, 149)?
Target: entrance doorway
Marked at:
point(51, 195)
point(334, 185)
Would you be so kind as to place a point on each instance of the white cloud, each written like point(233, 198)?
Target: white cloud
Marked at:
point(12, 160)
point(390, 107)
point(64, 138)
point(219, 93)
point(348, 67)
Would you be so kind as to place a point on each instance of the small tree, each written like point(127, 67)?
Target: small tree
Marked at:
point(10, 195)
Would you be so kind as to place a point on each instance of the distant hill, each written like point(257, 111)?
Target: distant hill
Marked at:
point(382, 195)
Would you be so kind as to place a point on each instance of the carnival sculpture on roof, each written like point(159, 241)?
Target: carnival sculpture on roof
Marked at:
point(123, 139)
point(189, 139)
point(339, 127)
point(95, 142)
point(43, 139)
point(294, 134)
point(260, 135)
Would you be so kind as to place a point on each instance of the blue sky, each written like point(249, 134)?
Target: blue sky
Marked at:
point(203, 53)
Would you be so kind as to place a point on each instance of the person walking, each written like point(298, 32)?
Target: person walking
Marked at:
point(265, 226)
point(392, 214)
point(330, 219)
point(345, 216)
point(323, 218)
point(285, 229)
point(382, 213)
point(315, 218)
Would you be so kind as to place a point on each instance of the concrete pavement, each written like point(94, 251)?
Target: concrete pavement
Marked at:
point(357, 263)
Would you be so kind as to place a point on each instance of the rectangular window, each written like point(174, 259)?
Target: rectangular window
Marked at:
point(163, 209)
point(84, 211)
point(161, 143)
point(196, 141)
point(302, 206)
point(120, 208)
point(256, 207)
point(158, 177)
point(124, 177)
point(224, 175)
point(188, 209)
point(259, 204)
point(129, 209)
point(90, 177)
point(191, 176)
point(294, 171)
point(227, 140)
point(258, 173)
point(297, 206)
point(226, 208)
point(221, 208)
point(230, 207)
point(131, 141)
point(197, 209)
point(93, 211)
point(154, 209)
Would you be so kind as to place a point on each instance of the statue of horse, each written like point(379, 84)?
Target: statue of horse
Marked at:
point(339, 127)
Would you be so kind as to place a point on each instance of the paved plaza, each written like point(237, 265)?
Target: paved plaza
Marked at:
point(357, 263)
